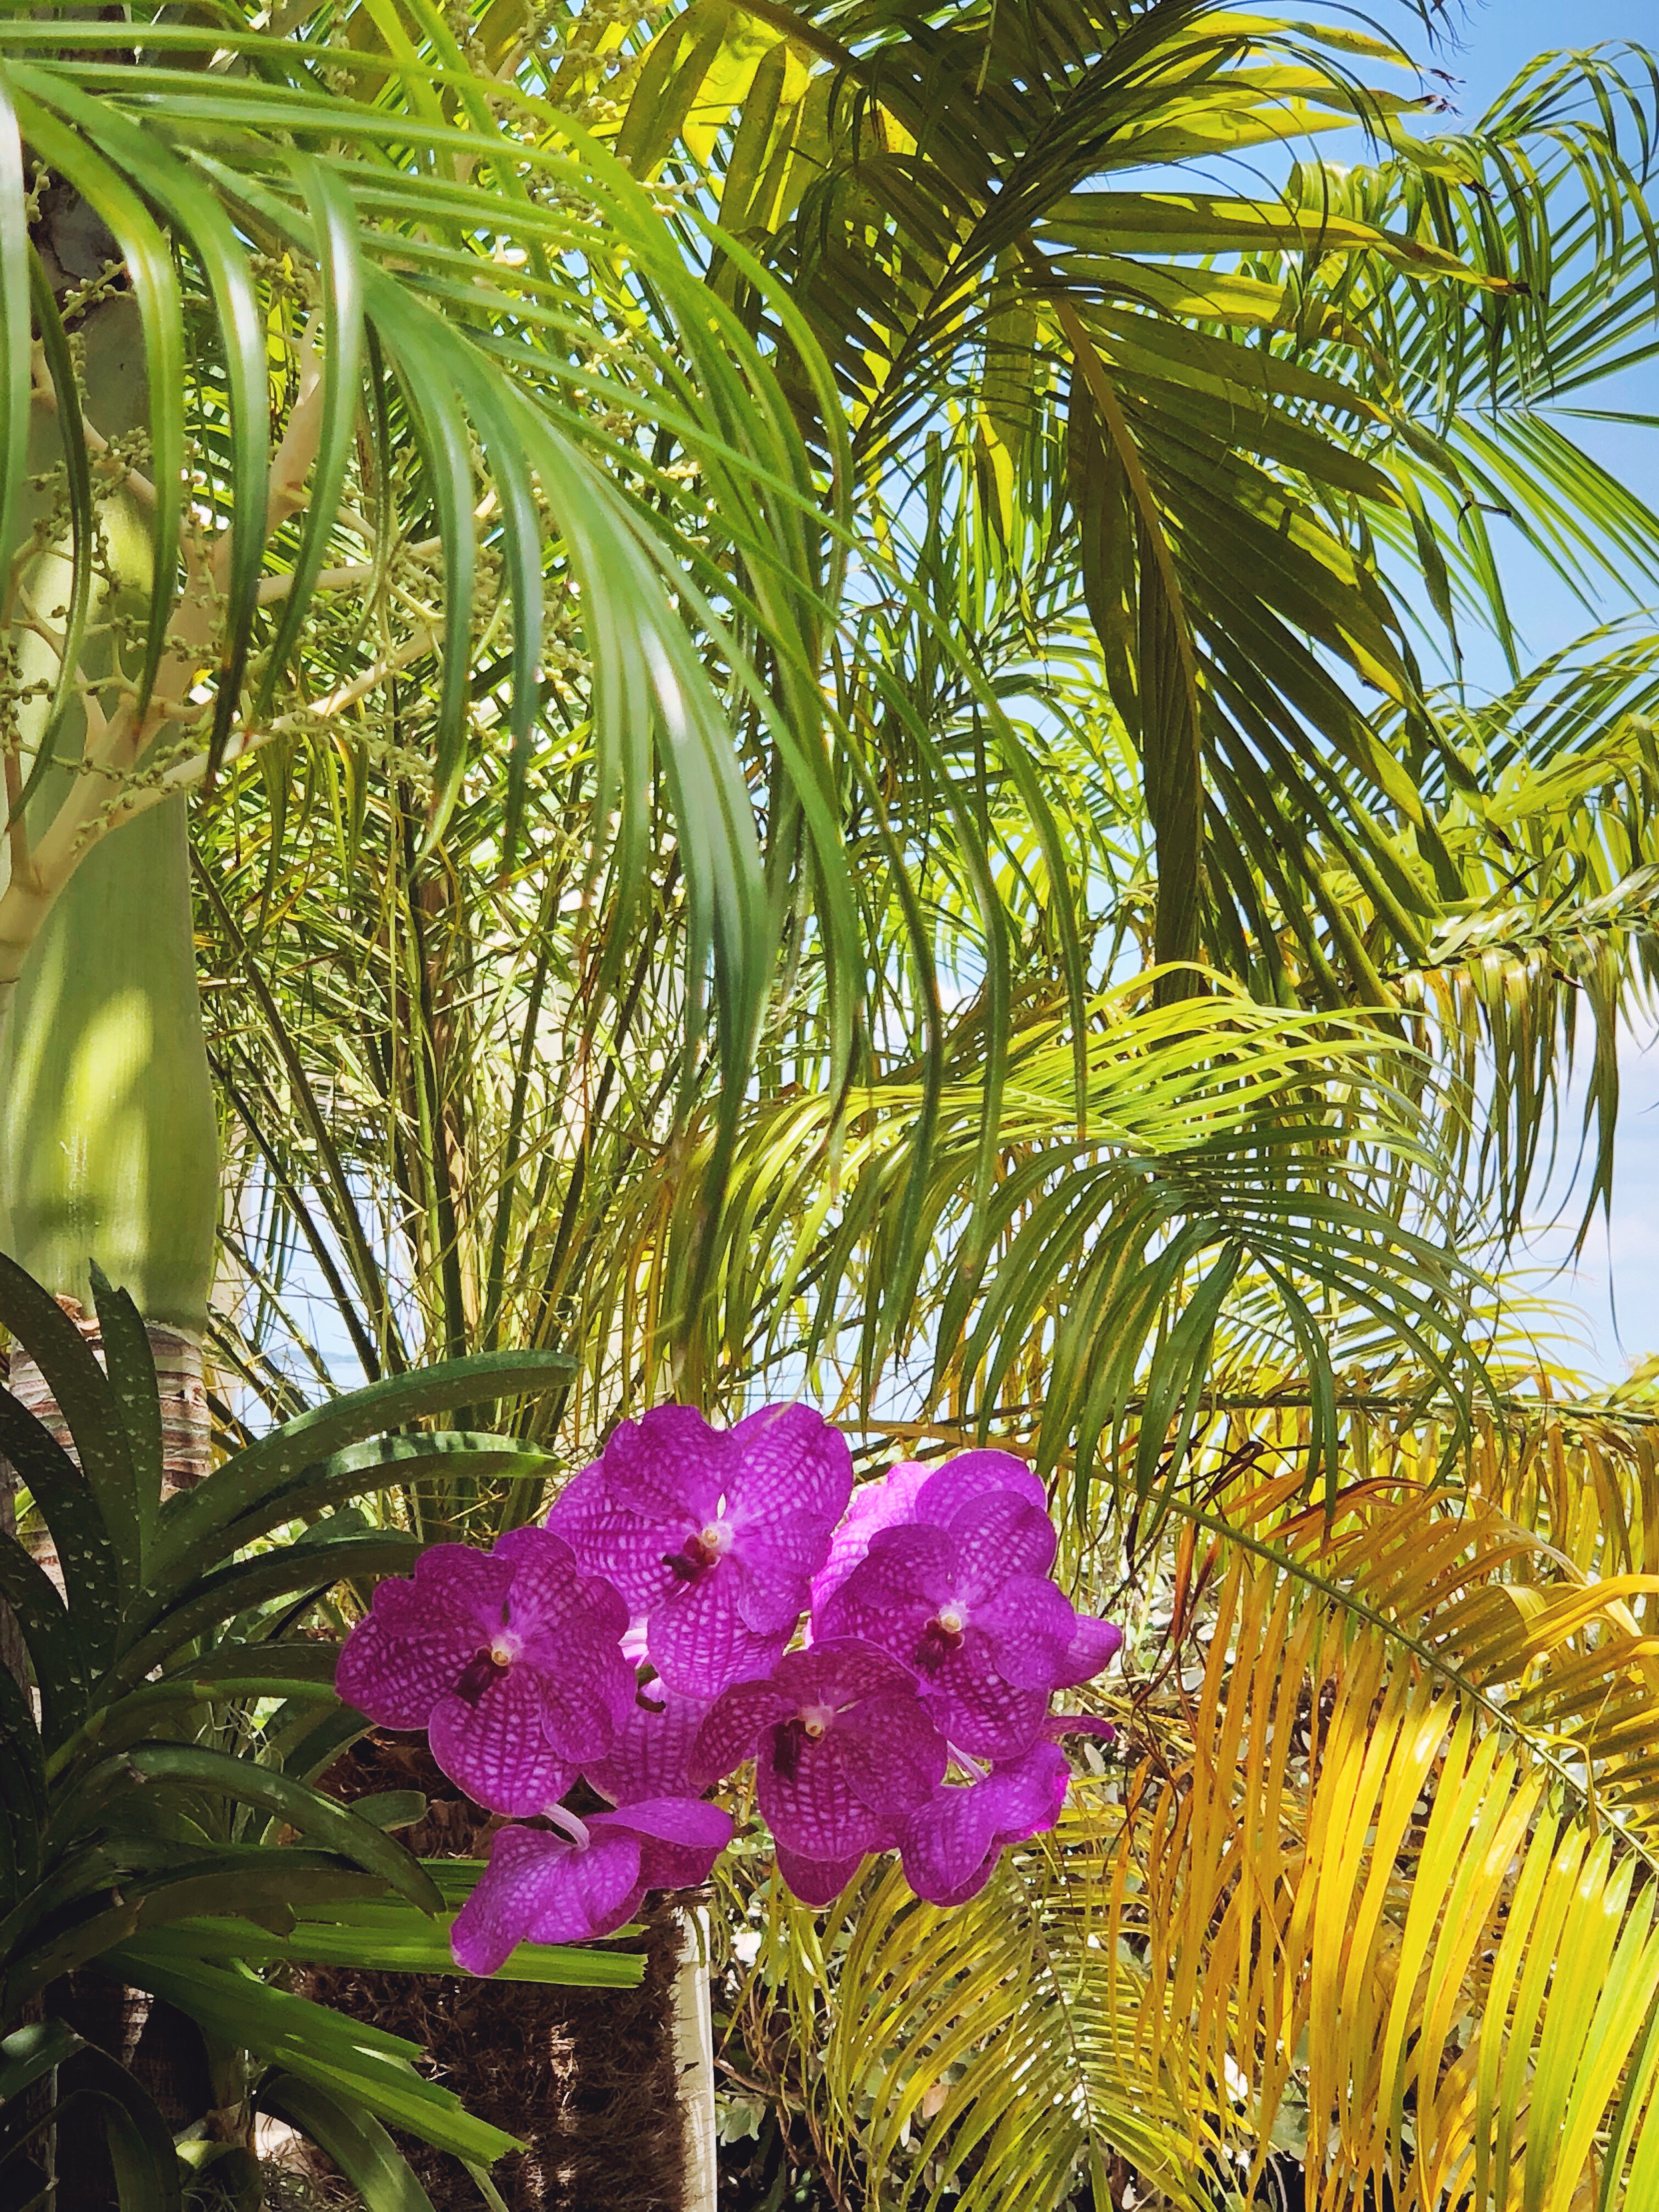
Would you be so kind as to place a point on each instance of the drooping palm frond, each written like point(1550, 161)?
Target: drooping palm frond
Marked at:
point(494, 440)
point(957, 199)
point(469, 1150)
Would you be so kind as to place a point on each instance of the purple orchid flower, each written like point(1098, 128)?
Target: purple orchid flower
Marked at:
point(511, 1660)
point(899, 1497)
point(843, 1752)
point(974, 1475)
point(711, 1535)
point(586, 1882)
point(951, 1845)
point(653, 1753)
point(968, 1605)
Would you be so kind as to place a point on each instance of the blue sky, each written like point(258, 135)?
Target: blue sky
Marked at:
point(1615, 1287)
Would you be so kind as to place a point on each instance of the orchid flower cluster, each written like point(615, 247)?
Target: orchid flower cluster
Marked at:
point(701, 1597)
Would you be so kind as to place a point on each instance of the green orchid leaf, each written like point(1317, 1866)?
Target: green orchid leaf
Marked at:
point(91, 1564)
point(347, 2057)
point(355, 2140)
point(130, 1365)
point(83, 1396)
point(242, 1782)
point(294, 1570)
point(240, 1485)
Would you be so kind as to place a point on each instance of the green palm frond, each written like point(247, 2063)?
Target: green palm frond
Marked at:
point(485, 431)
point(1253, 393)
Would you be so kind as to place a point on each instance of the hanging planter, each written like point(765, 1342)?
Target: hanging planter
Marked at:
point(589, 2081)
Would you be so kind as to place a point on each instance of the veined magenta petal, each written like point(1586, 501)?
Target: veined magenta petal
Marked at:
point(771, 1600)
point(806, 1793)
point(840, 1672)
point(896, 1757)
point(1094, 1643)
point(652, 1755)
point(1029, 1626)
point(396, 1676)
point(791, 1469)
point(584, 1694)
point(893, 1593)
point(597, 1891)
point(952, 1844)
point(630, 1550)
point(978, 1709)
point(676, 1866)
point(732, 1729)
point(496, 1918)
point(669, 1463)
point(550, 1591)
point(582, 1496)
point(996, 1537)
point(687, 1822)
point(497, 1750)
point(816, 1881)
point(464, 1584)
point(875, 1505)
point(974, 1476)
point(542, 1888)
point(699, 1642)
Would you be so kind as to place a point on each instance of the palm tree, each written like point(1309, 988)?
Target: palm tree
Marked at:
point(473, 464)
point(1164, 448)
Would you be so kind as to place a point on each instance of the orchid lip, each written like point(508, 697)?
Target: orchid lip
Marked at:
point(483, 1669)
point(700, 1552)
point(941, 1638)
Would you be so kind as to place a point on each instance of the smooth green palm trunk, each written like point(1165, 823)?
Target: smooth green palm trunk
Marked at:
point(108, 1137)
point(108, 1131)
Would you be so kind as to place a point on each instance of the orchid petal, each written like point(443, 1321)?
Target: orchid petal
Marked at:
point(496, 1919)
point(396, 1677)
point(1029, 1626)
point(809, 1800)
point(875, 1505)
point(497, 1750)
point(816, 1881)
point(630, 1550)
point(980, 1711)
point(733, 1728)
point(972, 1476)
point(893, 1593)
point(840, 1672)
point(461, 1583)
point(669, 1466)
point(698, 1641)
point(771, 1599)
point(793, 1474)
point(588, 1893)
point(996, 1537)
point(896, 1757)
point(951, 1845)
point(652, 1754)
point(687, 1822)
point(1094, 1643)
point(583, 1496)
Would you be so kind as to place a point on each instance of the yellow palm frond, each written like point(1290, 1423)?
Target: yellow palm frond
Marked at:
point(1375, 1886)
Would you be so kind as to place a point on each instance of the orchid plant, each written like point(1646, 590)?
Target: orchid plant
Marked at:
point(698, 1598)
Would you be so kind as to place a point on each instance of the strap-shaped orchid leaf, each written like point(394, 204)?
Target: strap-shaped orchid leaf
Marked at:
point(244, 1481)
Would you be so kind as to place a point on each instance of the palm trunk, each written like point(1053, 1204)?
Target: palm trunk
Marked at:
point(109, 1150)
